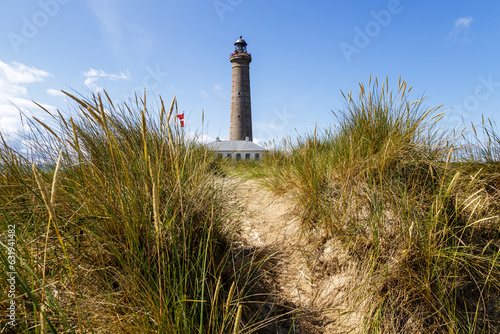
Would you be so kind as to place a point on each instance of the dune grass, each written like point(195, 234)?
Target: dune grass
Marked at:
point(418, 213)
point(120, 230)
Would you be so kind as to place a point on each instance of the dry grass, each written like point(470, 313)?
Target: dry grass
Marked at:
point(418, 218)
point(394, 227)
point(129, 238)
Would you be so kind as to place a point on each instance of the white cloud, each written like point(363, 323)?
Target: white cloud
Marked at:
point(54, 92)
point(14, 79)
point(10, 113)
point(203, 93)
point(217, 87)
point(460, 31)
point(261, 142)
point(93, 76)
point(9, 121)
point(463, 22)
point(202, 139)
point(101, 74)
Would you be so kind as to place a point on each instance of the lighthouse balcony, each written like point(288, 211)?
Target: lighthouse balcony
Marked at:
point(239, 53)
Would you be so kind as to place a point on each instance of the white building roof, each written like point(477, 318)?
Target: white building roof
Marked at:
point(234, 146)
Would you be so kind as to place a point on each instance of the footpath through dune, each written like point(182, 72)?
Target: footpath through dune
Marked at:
point(313, 276)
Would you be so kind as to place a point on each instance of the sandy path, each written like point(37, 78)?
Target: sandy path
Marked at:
point(308, 274)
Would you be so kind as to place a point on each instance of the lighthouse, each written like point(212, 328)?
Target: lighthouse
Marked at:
point(240, 145)
point(241, 109)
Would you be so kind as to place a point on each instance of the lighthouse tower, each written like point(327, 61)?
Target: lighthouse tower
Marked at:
point(240, 145)
point(241, 111)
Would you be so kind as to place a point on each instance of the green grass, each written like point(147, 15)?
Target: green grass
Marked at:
point(124, 229)
point(123, 234)
point(414, 209)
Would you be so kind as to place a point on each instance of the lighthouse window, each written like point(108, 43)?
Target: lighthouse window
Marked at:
point(239, 117)
point(239, 93)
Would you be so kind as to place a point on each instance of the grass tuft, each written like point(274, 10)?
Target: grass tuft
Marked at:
point(417, 215)
point(133, 242)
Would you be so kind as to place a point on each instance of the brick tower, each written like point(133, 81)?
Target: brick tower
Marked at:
point(241, 111)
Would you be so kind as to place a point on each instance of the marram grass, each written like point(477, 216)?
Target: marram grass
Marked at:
point(417, 211)
point(120, 231)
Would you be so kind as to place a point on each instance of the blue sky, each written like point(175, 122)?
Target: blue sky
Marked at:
point(304, 54)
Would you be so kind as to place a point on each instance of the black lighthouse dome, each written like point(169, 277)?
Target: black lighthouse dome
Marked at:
point(240, 45)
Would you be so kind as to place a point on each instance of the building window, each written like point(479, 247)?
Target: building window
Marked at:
point(238, 156)
point(229, 156)
point(247, 156)
point(257, 156)
point(220, 155)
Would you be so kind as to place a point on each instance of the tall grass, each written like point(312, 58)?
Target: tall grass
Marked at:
point(122, 233)
point(421, 223)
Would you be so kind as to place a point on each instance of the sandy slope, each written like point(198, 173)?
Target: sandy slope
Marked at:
point(312, 275)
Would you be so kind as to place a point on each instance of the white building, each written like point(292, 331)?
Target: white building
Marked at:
point(236, 149)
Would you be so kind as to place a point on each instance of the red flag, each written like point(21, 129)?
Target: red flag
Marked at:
point(181, 118)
